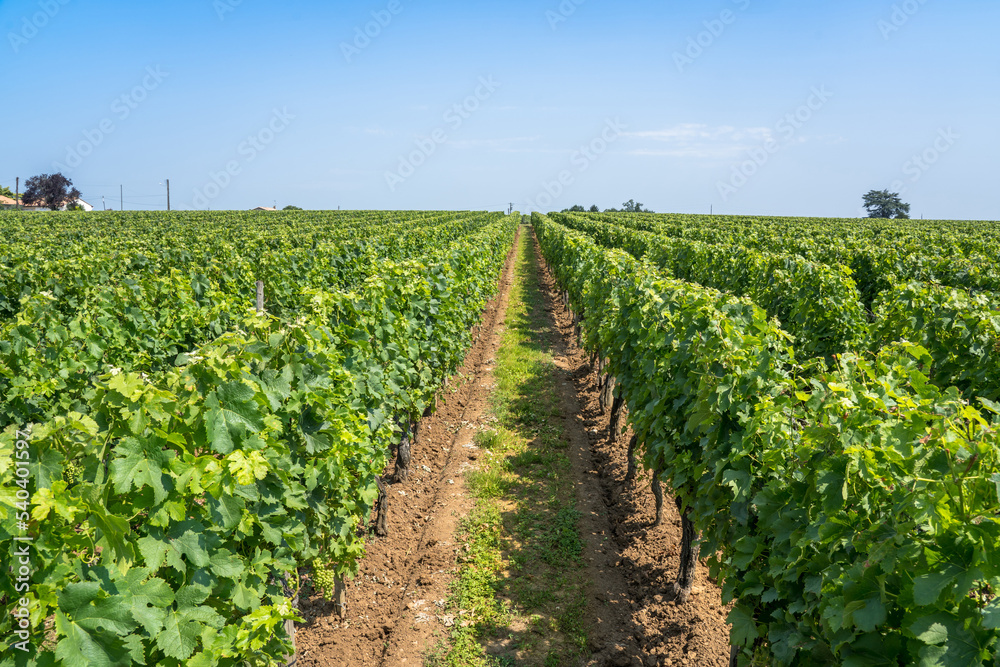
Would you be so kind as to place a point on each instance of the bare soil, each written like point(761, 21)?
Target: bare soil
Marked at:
point(395, 606)
point(646, 558)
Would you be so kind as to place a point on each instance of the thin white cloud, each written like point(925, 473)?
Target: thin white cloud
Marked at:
point(503, 144)
point(371, 131)
point(696, 140)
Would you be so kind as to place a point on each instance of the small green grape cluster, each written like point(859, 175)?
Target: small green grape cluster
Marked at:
point(72, 472)
point(324, 579)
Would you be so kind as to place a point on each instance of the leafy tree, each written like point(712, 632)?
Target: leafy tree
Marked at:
point(594, 209)
point(52, 192)
point(631, 206)
point(291, 208)
point(574, 209)
point(6, 192)
point(885, 204)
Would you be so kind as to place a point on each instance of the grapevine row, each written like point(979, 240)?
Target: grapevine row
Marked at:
point(820, 305)
point(851, 514)
point(172, 510)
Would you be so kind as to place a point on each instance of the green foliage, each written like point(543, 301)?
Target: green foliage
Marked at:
point(879, 253)
point(188, 454)
point(885, 204)
point(818, 304)
point(960, 332)
point(631, 206)
point(851, 510)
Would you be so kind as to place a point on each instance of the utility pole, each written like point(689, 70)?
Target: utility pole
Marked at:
point(511, 208)
point(17, 193)
point(168, 194)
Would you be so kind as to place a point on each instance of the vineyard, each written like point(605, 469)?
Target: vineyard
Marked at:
point(198, 411)
point(820, 397)
point(176, 450)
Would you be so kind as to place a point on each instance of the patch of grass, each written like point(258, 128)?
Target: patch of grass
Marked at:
point(519, 595)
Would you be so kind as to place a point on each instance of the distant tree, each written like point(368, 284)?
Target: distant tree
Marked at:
point(611, 210)
point(6, 192)
point(574, 209)
point(291, 208)
point(885, 204)
point(631, 206)
point(594, 209)
point(52, 192)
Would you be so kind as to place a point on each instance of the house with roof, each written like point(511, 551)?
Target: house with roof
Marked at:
point(6, 203)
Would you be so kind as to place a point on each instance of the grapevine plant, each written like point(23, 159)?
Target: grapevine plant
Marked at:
point(850, 507)
point(189, 455)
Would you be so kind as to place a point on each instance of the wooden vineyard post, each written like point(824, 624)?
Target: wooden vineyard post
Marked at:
point(340, 598)
point(260, 297)
point(382, 513)
point(290, 660)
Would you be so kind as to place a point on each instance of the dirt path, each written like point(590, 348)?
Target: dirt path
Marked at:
point(393, 604)
point(396, 606)
point(661, 632)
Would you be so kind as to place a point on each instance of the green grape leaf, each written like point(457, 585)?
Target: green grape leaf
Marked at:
point(136, 649)
point(991, 615)
point(153, 550)
point(244, 598)
point(191, 596)
point(225, 564)
point(227, 511)
point(872, 615)
point(961, 650)
point(232, 414)
point(927, 588)
point(931, 629)
point(179, 636)
point(77, 647)
point(187, 539)
point(112, 531)
point(744, 627)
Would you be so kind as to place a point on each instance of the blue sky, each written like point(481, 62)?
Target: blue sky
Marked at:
point(766, 107)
